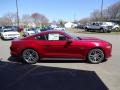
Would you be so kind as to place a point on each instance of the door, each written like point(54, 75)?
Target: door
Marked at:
point(59, 45)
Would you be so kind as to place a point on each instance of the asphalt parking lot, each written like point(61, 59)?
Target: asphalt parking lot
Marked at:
point(61, 75)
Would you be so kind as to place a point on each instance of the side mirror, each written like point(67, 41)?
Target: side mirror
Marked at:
point(69, 40)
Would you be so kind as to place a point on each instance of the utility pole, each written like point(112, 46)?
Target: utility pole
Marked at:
point(101, 9)
point(17, 13)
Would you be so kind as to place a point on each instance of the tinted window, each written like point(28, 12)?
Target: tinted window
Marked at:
point(53, 36)
point(42, 37)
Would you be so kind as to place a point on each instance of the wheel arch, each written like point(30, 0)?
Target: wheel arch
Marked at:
point(87, 59)
point(31, 48)
point(95, 48)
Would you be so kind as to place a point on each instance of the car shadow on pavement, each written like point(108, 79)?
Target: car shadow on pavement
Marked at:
point(16, 76)
point(53, 60)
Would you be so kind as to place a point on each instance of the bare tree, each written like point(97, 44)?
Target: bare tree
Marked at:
point(26, 19)
point(12, 17)
point(5, 21)
point(44, 20)
point(61, 23)
point(114, 11)
point(39, 19)
point(84, 21)
point(96, 15)
point(54, 22)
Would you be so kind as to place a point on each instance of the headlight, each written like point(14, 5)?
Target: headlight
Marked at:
point(4, 35)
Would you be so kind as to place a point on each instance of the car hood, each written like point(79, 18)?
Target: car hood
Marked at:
point(91, 39)
point(106, 25)
point(6, 33)
point(30, 31)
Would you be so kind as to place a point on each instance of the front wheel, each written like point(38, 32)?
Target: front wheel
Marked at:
point(30, 56)
point(86, 29)
point(108, 31)
point(95, 56)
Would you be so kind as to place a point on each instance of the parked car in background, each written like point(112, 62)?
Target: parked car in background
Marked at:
point(116, 27)
point(59, 28)
point(29, 32)
point(99, 27)
point(37, 30)
point(80, 26)
point(0, 30)
point(59, 44)
point(9, 33)
point(46, 28)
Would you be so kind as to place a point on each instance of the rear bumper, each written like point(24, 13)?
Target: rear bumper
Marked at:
point(14, 52)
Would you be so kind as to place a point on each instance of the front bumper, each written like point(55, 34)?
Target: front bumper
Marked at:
point(10, 37)
point(108, 52)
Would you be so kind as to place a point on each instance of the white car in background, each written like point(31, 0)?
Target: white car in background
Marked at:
point(59, 28)
point(9, 33)
point(116, 27)
point(37, 30)
point(29, 32)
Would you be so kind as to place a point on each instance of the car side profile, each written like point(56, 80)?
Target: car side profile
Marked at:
point(59, 44)
point(99, 27)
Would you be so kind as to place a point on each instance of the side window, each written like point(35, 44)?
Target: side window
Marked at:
point(57, 36)
point(62, 37)
point(93, 24)
point(42, 37)
point(97, 24)
point(53, 36)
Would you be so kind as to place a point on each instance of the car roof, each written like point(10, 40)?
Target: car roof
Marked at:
point(48, 31)
point(52, 31)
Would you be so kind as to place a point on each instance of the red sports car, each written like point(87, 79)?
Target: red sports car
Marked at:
point(59, 44)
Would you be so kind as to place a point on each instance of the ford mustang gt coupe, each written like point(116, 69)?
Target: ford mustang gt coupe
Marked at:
point(59, 44)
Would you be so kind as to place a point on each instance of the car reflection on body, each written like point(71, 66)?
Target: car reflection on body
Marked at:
point(59, 44)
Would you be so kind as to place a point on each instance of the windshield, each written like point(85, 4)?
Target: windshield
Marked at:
point(9, 30)
point(30, 29)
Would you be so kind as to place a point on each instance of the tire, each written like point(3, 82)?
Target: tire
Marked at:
point(108, 31)
point(30, 56)
point(86, 29)
point(116, 29)
point(102, 30)
point(2, 38)
point(95, 56)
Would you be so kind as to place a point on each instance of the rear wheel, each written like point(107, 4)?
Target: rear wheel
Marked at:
point(2, 38)
point(102, 30)
point(86, 29)
point(30, 56)
point(108, 31)
point(95, 56)
point(116, 29)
